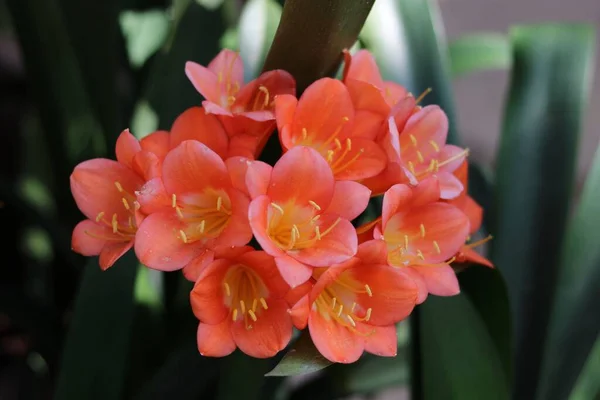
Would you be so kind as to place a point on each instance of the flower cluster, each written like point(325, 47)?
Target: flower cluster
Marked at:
point(193, 198)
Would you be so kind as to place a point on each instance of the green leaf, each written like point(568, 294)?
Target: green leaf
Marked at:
point(311, 36)
point(145, 32)
point(97, 345)
point(302, 358)
point(549, 86)
point(408, 42)
point(257, 27)
point(242, 377)
point(459, 358)
point(588, 384)
point(575, 324)
point(479, 51)
point(210, 4)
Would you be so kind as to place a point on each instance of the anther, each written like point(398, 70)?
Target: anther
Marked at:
point(348, 144)
point(333, 303)
point(227, 289)
point(266, 92)
point(243, 306)
point(296, 230)
point(422, 95)
point(353, 307)
point(125, 203)
point(99, 216)
point(254, 304)
point(219, 203)
point(179, 213)
point(174, 201)
point(437, 247)
point(230, 100)
point(420, 156)
point(318, 233)
point(338, 144)
point(413, 139)
point(330, 155)
point(235, 313)
point(115, 223)
point(277, 207)
point(183, 236)
point(315, 218)
point(340, 310)
point(422, 227)
point(411, 167)
point(368, 289)
point(406, 241)
point(263, 303)
point(119, 187)
point(202, 226)
point(351, 320)
point(368, 316)
point(420, 254)
point(304, 134)
point(315, 205)
point(434, 145)
point(252, 315)
point(346, 119)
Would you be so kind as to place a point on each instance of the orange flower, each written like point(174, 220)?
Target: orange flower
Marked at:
point(205, 209)
point(475, 214)
point(413, 138)
point(422, 234)
point(324, 119)
point(104, 191)
point(239, 300)
point(300, 215)
point(245, 110)
point(353, 306)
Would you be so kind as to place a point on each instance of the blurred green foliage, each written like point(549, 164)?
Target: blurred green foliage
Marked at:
point(528, 330)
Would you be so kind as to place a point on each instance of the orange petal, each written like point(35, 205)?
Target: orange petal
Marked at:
point(294, 295)
point(379, 184)
point(204, 80)
point(153, 197)
point(324, 109)
point(402, 111)
point(365, 159)
point(299, 313)
point(365, 232)
point(383, 341)
point(258, 178)
point(197, 265)
point(474, 212)
point(426, 125)
point(393, 295)
point(335, 247)
point(264, 265)
point(111, 252)
point(285, 107)
point(147, 165)
point(450, 185)
point(215, 340)
point(257, 215)
point(367, 97)
point(94, 189)
point(396, 199)
point(292, 271)
point(158, 143)
point(372, 252)
point(238, 231)
point(207, 296)
point(258, 95)
point(419, 281)
point(270, 333)
point(334, 341)
point(243, 146)
point(126, 147)
point(468, 254)
point(427, 191)
point(195, 124)
point(395, 92)
point(158, 246)
point(349, 200)
point(440, 279)
point(86, 237)
point(229, 64)
point(303, 175)
point(192, 167)
point(367, 124)
point(326, 276)
point(237, 168)
point(364, 68)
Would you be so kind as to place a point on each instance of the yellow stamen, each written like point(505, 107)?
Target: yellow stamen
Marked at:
point(99, 216)
point(406, 241)
point(413, 139)
point(202, 226)
point(266, 92)
point(420, 156)
point(315, 205)
point(234, 315)
point(125, 203)
point(348, 144)
point(420, 254)
point(422, 230)
point(227, 289)
point(368, 316)
point(437, 247)
point(411, 167)
point(318, 233)
point(119, 187)
point(340, 310)
point(252, 315)
point(115, 223)
point(219, 203)
point(263, 302)
point(338, 144)
point(179, 213)
point(351, 320)
point(183, 236)
point(277, 207)
point(422, 95)
point(174, 201)
point(243, 306)
point(368, 289)
point(434, 145)
point(304, 134)
point(333, 303)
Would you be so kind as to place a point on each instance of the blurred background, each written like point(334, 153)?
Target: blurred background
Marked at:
point(46, 127)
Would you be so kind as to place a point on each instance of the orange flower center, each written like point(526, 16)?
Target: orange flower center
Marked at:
point(295, 227)
point(339, 154)
point(245, 294)
point(421, 165)
point(123, 232)
point(205, 215)
point(403, 249)
point(338, 302)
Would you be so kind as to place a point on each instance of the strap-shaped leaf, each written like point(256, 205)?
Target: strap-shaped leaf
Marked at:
point(302, 358)
point(549, 85)
point(479, 51)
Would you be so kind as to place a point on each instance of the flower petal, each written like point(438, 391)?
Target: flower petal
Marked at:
point(364, 160)
point(398, 197)
point(270, 333)
point(158, 246)
point(372, 252)
point(229, 65)
point(111, 252)
point(237, 168)
point(468, 254)
point(256, 99)
point(191, 167)
point(147, 165)
point(126, 147)
point(334, 247)
point(158, 142)
point(94, 188)
point(204, 80)
point(285, 107)
point(153, 197)
point(474, 212)
point(195, 124)
point(258, 177)
point(257, 215)
point(292, 271)
point(208, 297)
point(349, 200)
point(440, 279)
point(334, 341)
point(215, 340)
point(264, 265)
point(299, 313)
point(238, 231)
point(197, 265)
point(383, 341)
point(427, 191)
point(89, 237)
point(419, 281)
point(364, 68)
point(426, 125)
point(301, 174)
point(450, 186)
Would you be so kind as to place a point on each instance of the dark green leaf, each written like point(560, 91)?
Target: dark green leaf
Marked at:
point(459, 358)
point(242, 377)
point(588, 384)
point(312, 34)
point(575, 324)
point(302, 358)
point(479, 51)
point(536, 164)
point(407, 39)
point(97, 345)
point(257, 27)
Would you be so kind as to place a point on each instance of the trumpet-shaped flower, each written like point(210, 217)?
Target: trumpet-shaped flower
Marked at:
point(300, 215)
point(245, 110)
point(104, 191)
point(204, 209)
point(422, 234)
point(239, 300)
point(324, 119)
point(353, 306)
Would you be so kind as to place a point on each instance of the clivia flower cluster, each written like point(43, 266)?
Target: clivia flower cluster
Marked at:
point(193, 198)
